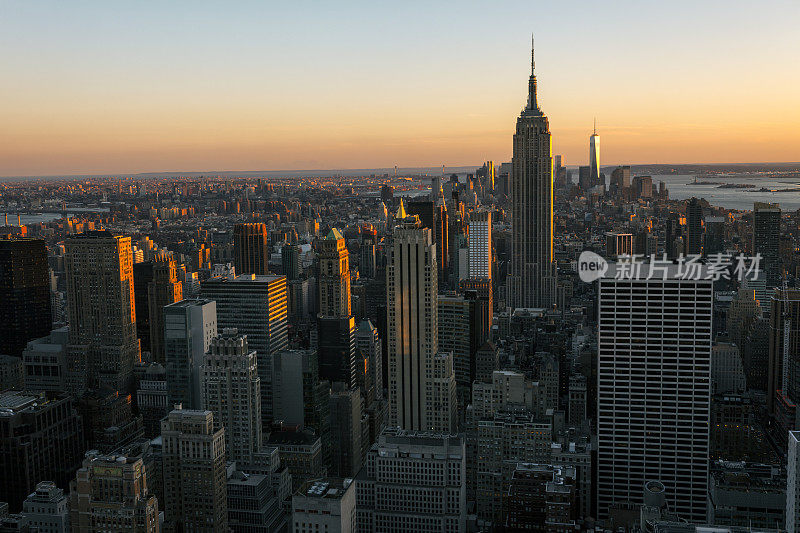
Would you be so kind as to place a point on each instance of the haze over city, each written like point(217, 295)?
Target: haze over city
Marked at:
point(96, 88)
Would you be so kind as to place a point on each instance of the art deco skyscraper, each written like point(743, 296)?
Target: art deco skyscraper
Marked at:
point(102, 338)
point(334, 276)
point(594, 158)
point(336, 328)
point(412, 317)
point(532, 282)
point(251, 248)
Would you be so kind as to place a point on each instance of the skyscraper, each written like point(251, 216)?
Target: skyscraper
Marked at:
point(411, 293)
point(290, 261)
point(433, 215)
point(594, 158)
point(337, 349)
point(413, 482)
point(766, 240)
point(110, 493)
point(793, 484)
point(163, 289)
point(345, 431)
point(480, 245)
point(41, 438)
point(654, 358)
point(368, 343)
point(142, 276)
point(334, 276)
point(24, 294)
point(195, 494)
point(251, 248)
point(694, 227)
point(232, 391)
point(336, 328)
point(620, 180)
point(102, 337)
point(189, 327)
point(257, 307)
point(532, 282)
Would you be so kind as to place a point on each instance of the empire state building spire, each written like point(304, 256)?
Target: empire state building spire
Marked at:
point(533, 105)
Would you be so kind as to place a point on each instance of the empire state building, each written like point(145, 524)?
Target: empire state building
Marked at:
point(532, 282)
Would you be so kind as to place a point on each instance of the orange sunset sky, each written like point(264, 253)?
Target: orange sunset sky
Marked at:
point(108, 87)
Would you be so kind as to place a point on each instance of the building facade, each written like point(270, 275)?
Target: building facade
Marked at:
point(193, 455)
point(653, 392)
point(232, 391)
point(24, 294)
point(532, 278)
point(103, 346)
point(189, 327)
point(413, 481)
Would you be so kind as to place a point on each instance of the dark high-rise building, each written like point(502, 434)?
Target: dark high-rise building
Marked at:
point(766, 240)
point(41, 438)
point(164, 289)
point(541, 498)
point(714, 242)
point(620, 180)
point(24, 294)
point(251, 248)
point(142, 276)
point(337, 349)
point(783, 372)
point(433, 215)
point(290, 261)
point(387, 194)
point(643, 186)
point(532, 282)
point(194, 456)
point(585, 178)
point(102, 316)
point(108, 420)
point(694, 227)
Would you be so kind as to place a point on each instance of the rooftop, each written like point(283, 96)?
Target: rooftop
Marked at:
point(330, 488)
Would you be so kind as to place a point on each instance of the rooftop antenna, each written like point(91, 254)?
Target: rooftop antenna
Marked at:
point(395, 172)
point(533, 62)
point(595, 126)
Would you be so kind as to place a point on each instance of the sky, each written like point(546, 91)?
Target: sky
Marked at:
point(98, 87)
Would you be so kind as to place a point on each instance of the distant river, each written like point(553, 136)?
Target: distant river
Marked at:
point(49, 217)
point(680, 189)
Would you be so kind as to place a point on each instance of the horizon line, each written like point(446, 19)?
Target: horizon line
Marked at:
point(344, 170)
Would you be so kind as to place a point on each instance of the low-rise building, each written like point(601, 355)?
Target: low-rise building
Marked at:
point(325, 505)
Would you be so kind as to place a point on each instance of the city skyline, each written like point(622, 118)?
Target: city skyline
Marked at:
point(123, 90)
